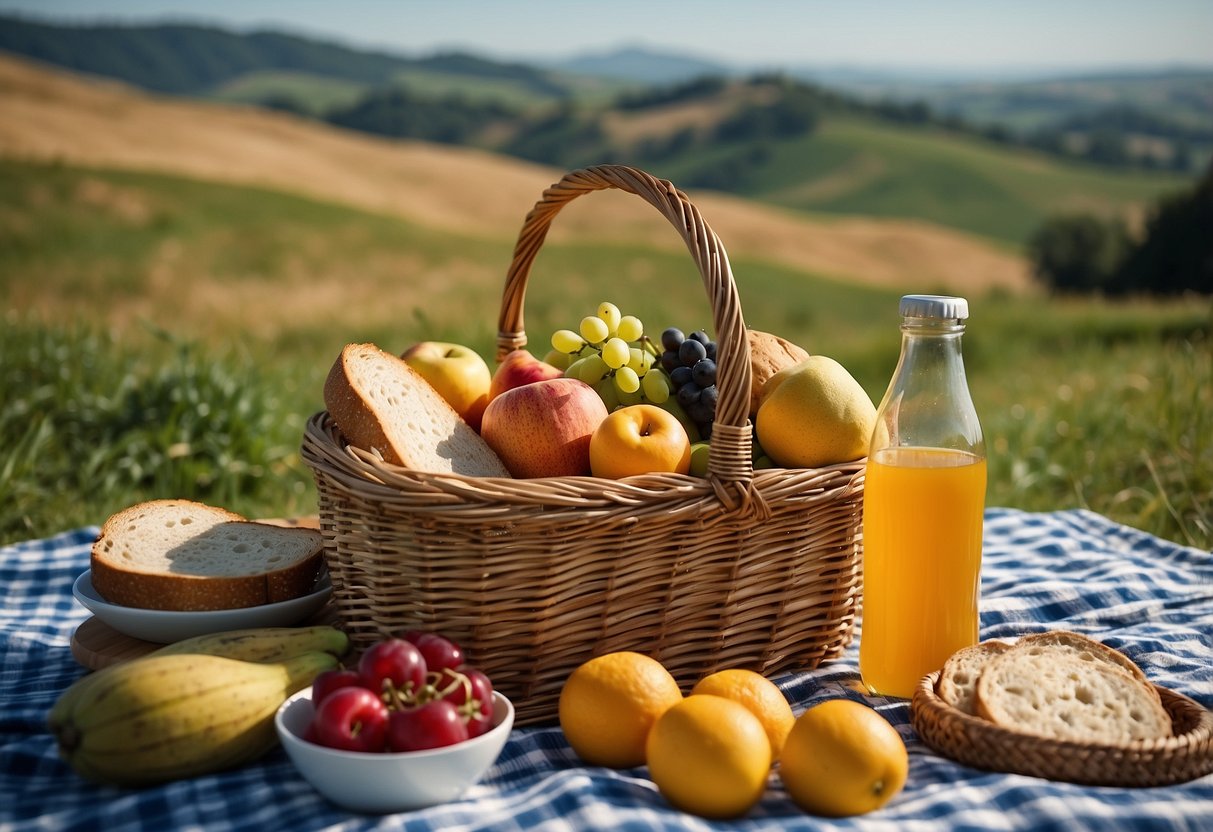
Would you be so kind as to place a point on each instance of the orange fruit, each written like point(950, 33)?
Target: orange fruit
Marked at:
point(760, 695)
point(609, 704)
point(710, 756)
point(639, 439)
point(842, 758)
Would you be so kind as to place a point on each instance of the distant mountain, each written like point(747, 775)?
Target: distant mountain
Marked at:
point(187, 59)
point(642, 65)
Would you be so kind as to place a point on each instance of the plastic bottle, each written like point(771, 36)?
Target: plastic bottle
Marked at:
point(924, 499)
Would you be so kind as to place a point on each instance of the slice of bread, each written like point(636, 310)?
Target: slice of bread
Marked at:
point(183, 555)
point(1084, 649)
point(958, 679)
point(380, 403)
point(1048, 688)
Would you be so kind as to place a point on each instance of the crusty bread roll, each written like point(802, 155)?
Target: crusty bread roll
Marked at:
point(768, 355)
point(379, 402)
point(958, 679)
point(186, 556)
point(1063, 688)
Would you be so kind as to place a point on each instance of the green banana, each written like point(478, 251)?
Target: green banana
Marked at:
point(166, 717)
point(257, 644)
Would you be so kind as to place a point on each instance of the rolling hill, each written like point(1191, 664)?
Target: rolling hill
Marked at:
point(54, 115)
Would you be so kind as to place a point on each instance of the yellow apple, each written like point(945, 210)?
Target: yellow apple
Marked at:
point(457, 372)
point(639, 439)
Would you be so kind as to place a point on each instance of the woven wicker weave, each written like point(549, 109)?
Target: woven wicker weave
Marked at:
point(975, 742)
point(739, 569)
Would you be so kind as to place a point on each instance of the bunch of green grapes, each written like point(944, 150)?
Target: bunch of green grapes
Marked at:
point(610, 352)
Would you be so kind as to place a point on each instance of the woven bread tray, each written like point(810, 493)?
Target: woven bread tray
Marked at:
point(973, 741)
point(535, 576)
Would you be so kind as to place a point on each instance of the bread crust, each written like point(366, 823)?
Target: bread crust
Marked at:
point(400, 431)
point(1065, 686)
point(130, 585)
point(958, 678)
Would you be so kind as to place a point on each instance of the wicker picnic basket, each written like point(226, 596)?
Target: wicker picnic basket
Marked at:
point(743, 568)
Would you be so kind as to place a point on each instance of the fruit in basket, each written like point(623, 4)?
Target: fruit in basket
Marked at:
point(813, 414)
point(690, 361)
point(760, 695)
point(517, 369)
point(351, 718)
point(457, 372)
point(609, 704)
point(709, 756)
point(161, 718)
point(543, 429)
point(768, 355)
point(640, 439)
point(842, 758)
point(610, 352)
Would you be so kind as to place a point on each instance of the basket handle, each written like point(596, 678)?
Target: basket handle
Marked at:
point(730, 458)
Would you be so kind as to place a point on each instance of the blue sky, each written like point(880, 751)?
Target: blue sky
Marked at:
point(947, 34)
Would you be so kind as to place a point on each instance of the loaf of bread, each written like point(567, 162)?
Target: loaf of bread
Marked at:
point(380, 403)
point(958, 679)
point(187, 556)
point(1066, 686)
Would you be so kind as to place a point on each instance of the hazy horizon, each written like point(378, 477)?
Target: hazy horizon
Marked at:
point(938, 38)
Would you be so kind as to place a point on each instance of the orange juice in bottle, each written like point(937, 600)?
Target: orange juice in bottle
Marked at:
point(924, 497)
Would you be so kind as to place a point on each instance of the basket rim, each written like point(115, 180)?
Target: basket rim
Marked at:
point(1195, 744)
point(324, 449)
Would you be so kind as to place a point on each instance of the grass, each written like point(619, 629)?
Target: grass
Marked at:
point(168, 338)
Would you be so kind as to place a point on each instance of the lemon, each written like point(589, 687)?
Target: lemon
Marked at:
point(842, 758)
point(709, 756)
point(813, 414)
point(757, 693)
point(609, 704)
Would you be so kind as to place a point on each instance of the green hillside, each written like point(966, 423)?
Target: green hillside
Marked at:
point(169, 337)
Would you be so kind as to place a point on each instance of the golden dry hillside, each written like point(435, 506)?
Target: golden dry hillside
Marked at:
point(49, 114)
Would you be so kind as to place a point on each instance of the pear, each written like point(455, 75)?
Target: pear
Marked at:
point(814, 414)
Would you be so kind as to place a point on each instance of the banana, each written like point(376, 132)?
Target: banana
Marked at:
point(263, 644)
point(166, 717)
point(257, 644)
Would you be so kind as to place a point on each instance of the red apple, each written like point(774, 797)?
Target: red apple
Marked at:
point(543, 429)
point(518, 368)
point(457, 372)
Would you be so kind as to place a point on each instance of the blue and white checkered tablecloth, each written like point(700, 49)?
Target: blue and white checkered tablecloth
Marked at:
point(1073, 570)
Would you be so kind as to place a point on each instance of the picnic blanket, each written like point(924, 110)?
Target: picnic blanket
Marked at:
point(1072, 570)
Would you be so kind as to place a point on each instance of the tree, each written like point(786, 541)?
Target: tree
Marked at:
point(1078, 253)
point(1175, 254)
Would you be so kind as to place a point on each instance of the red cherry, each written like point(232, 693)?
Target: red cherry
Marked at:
point(352, 719)
point(393, 661)
point(332, 680)
point(440, 652)
point(435, 724)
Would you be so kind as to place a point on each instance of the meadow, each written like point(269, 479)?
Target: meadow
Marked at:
point(166, 337)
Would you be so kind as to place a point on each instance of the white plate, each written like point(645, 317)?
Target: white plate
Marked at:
point(167, 626)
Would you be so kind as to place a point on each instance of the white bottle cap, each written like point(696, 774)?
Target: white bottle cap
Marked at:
point(934, 306)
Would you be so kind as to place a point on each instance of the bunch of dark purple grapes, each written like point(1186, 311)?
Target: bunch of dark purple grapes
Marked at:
point(690, 361)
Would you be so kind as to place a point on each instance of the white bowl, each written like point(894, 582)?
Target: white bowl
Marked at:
point(382, 783)
point(167, 626)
